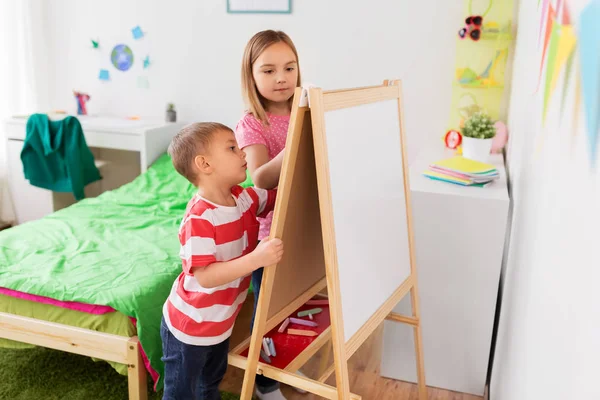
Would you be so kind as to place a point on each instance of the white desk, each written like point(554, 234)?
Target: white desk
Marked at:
point(148, 137)
point(129, 146)
point(459, 240)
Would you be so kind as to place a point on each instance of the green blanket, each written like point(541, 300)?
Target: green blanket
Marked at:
point(119, 249)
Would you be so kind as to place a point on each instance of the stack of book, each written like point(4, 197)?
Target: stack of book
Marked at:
point(462, 171)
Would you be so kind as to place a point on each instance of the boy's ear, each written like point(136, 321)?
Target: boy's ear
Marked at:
point(202, 164)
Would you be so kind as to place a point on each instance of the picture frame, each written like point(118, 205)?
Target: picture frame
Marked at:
point(259, 6)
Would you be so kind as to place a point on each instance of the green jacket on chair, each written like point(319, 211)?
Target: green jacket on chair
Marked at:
point(56, 157)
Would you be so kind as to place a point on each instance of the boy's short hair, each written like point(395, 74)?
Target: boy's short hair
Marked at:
point(191, 141)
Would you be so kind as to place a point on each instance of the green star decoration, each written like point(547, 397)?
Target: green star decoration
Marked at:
point(95, 43)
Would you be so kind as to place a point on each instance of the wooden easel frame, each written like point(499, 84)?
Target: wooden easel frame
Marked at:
point(320, 103)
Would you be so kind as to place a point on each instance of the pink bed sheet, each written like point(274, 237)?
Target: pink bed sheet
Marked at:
point(73, 305)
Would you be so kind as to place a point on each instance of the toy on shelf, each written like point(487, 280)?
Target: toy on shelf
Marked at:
point(473, 23)
point(472, 28)
point(469, 78)
point(82, 99)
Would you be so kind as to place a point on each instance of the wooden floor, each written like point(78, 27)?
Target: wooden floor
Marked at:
point(363, 367)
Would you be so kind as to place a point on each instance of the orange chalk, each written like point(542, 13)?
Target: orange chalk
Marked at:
point(301, 332)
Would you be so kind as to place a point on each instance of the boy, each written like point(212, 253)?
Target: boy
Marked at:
point(218, 236)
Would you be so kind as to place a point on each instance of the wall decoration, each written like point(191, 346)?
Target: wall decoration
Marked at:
point(122, 57)
point(129, 55)
point(104, 75)
point(259, 6)
point(589, 49)
point(563, 45)
point(137, 33)
point(142, 82)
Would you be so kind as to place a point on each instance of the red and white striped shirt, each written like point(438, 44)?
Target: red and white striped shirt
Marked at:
point(213, 233)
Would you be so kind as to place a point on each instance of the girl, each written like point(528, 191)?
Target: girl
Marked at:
point(270, 74)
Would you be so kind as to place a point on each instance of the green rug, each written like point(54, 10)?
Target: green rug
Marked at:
point(41, 373)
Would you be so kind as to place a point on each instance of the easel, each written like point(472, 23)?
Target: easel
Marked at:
point(304, 220)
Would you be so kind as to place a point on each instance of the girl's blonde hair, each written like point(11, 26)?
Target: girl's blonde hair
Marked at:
point(255, 102)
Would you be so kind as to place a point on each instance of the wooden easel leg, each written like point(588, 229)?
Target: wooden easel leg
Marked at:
point(136, 371)
point(414, 299)
point(260, 322)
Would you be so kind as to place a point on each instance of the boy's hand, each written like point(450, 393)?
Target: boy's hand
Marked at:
point(269, 252)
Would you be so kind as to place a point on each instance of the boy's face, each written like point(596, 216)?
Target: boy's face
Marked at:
point(226, 161)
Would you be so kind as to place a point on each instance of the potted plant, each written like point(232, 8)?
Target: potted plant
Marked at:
point(478, 133)
point(171, 115)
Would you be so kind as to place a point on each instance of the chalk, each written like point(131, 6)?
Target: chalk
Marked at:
point(301, 332)
point(265, 357)
point(284, 325)
point(266, 347)
point(310, 317)
point(307, 312)
point(303, 322)
point(272, 348)
point(317, 303)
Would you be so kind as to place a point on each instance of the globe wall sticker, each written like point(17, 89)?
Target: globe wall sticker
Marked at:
point(122, 57)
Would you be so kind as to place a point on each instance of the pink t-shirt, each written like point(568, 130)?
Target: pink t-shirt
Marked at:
point(249, 131)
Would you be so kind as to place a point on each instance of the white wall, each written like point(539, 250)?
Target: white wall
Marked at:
point(548, 344)
point(197, 48)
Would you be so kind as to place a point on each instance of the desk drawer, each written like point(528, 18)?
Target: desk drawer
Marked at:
point(111, 140)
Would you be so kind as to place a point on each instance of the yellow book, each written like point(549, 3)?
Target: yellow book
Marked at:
point(466, 166)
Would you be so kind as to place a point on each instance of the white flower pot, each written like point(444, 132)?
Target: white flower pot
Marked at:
point(477, 149)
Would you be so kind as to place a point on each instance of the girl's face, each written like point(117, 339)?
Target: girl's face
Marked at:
point(275, 72)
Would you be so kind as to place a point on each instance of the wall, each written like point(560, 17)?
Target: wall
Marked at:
point(548, 342)
point(196, 48)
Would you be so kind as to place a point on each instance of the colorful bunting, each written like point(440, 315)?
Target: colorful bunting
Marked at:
point(547, 35)
point(550, 66)
point(544, 9)
point(589, 40)
point(562, 44)
point(569, 67)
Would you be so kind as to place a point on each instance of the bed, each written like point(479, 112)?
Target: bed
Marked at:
point(92, 278)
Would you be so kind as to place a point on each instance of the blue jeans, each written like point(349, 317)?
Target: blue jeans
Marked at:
point(192, 372)
point(263, 384)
